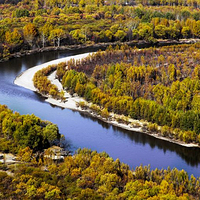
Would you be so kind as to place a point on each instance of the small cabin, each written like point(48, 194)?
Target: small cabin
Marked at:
point(54, 152)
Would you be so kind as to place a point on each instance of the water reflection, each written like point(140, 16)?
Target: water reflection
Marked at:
point(94, 119)
point(144, 139)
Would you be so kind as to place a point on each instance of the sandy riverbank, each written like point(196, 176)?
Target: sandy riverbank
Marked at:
point(25, 80)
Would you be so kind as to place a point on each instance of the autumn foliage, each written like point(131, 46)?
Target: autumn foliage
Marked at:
point(26, 25)
point(160, 85)
point(92, 175)
point(20, 131)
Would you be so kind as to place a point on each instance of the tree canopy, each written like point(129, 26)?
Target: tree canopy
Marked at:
point(92, 175)
point(20, 131)
point(160, 85)
point(37, 24)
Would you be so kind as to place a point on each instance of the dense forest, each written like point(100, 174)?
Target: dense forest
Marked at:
point(92, 175)
point(160, 85)
point(27, 25)
point(84, 175)
point(44, 85)
point(20, 131)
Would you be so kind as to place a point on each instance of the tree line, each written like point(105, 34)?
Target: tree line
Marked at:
point(44, 85)
point(37, 24)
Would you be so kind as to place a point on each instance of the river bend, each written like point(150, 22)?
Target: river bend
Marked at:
point(82, 130)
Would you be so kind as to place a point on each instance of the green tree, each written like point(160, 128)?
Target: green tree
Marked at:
point(25, 154)
point(77, 35)
point(51, 133)
point(108, 34)
point(21, 13)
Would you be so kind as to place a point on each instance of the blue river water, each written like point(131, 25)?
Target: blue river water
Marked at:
point(81, 130)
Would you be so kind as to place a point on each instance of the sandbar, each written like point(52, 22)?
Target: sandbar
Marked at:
point(25, 79)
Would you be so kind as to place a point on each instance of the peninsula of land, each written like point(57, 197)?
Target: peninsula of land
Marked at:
point(72, 102)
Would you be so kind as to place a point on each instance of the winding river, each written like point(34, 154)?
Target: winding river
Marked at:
point(82, 130)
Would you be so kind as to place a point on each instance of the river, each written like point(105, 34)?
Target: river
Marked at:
point(82, 130)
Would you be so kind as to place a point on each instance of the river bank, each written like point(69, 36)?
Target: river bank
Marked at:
point(137, 43)
point(25, 80)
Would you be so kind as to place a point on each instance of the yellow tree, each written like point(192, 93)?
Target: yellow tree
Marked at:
point(25, 155)
point(13, 38)
point(44, 32)
point(30, 33)
point(57, 34)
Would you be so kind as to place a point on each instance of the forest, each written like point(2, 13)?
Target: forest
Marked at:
point(28, 25)
point(159, 85)
point(84, 175)
point(91, 175)
point(20, 131)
